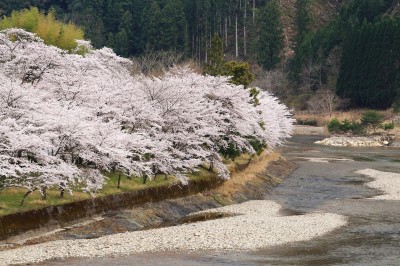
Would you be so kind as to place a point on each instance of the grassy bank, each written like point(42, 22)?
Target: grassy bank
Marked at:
point(10, 198)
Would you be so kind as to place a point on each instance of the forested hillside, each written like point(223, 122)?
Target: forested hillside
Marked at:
point(302, 50)
point(132, 27)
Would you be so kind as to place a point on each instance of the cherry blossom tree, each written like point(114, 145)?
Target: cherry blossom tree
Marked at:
point(68, 118)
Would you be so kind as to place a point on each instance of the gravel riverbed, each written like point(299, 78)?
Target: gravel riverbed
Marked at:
point(388, 182)
point(257, 224)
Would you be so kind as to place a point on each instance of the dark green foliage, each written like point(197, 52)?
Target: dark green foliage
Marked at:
point(121, 45)
point(303, 20)
point(215, 67)
point(172, 26)
point(357, 10)
point(369, 68)
point(345, 126)
point(334, 125)
point(396, 105)
point(388, 126)
point(150, 23)
point(230, 152)
point(257, 145)
point(368, 39)
point(269, 36)
point(254, 92)
point(372, 119)
point(240, 73)
point(184, 26)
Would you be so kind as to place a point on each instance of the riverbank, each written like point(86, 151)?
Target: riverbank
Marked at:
point(247, 226)
point(246, 183)
point(392, 140)
point(353, 141)
point(257, 224)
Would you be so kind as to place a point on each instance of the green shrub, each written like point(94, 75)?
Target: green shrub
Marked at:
point(388, 126)
point(372, 119)
point(307, 122)
point(346, 126)
point(357, 128)
point(239, 72)
point(230, 152)
point(257, 145)
point(396, 106)
point(334, 126)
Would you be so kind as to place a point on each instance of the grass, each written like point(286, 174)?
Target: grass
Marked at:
point(10, 198)
point(324, 118)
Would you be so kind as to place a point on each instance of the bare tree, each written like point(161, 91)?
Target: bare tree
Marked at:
point(324, 101)
point(156, 62)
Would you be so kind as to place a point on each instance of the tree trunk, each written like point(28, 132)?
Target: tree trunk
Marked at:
point(26, 195)
point(244, 27)
point(226, 32)
point(119, 181)
point(254, 10)
point(43, 193)
point(210, 169)
point(236, 35)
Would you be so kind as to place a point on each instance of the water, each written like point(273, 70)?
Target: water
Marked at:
point(372, 236)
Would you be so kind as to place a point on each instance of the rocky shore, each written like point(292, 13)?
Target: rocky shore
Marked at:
point(345, 141)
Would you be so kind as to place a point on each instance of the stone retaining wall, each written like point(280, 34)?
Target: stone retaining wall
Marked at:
point(63, 215)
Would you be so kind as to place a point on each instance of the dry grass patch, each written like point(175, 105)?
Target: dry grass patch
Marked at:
point(356, 115)
point(240, 178)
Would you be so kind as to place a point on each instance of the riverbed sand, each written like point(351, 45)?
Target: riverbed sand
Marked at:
point(388, 182)
point(257, 224)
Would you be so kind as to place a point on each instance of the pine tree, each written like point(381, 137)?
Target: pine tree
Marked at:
point(216, 62)
point(269, 43)
point(126, 25)
point(216, 51)
point(122, 43)
point(150, 24)
point(303, 20)
point(172, 26)
point(110, 41)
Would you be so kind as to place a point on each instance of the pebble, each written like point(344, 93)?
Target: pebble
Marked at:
point(354, 142)
point(388, 182)
point(257, 225)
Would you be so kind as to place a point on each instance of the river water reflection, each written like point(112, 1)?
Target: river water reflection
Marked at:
point(324, 181)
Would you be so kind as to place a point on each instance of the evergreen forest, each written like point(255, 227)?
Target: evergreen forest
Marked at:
point(295, 48)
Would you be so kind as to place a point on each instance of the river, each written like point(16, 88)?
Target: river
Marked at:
point(324, 181)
